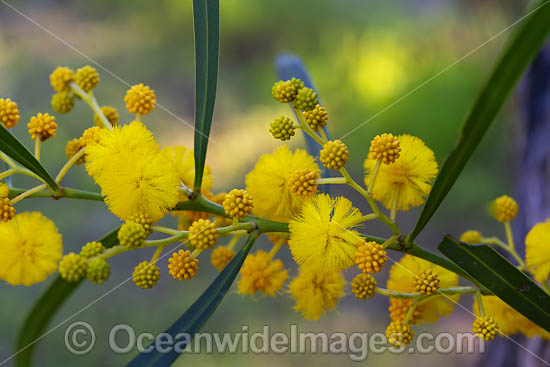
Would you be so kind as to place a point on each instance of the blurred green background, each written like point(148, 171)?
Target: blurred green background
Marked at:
point(363, 56)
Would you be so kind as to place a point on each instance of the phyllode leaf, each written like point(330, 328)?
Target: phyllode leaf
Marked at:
point(206, 22)
point(493, 271)
point(13, 148)
point(524, 45)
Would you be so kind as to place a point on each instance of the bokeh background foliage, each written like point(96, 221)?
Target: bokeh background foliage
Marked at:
point(372, 60)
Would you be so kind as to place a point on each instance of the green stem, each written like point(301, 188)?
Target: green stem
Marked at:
point(446, 291)
point(373, 176)
point(64, 192)
point(92, 102)
point(509, 236)
point(27, 193)
point(511, 250)
point(480, 303)
point(331, 180)
point(37, 142)
point(65, 169)
point(350, 181)
point(165, 230)
point(7, 173)
point(307, 129)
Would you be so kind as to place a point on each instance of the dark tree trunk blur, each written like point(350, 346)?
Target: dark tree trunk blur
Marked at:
point(533, 195)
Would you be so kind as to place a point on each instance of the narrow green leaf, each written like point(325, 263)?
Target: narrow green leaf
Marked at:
point(206, 21)
point(196, 316)
point(44, 310)
point(502, 278)
point(524, 45)
point(13, 148)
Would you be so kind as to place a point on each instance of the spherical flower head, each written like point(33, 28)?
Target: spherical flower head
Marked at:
point(72, 267)
point(399, 308)
point(509, 321)
point(61, 78)
point(62, 102)
point(203, 234)
point(316, 118)
point(146, 275)
point(42, 126)
point(184, 162)
point(135, 176)
point(9, 113)
point(284, 91)
point(370, 257)
point(87, 78)
point(221, 256)
point(302, 182)
point(471, 237)
point(282, 128)
point(260, 273)
point(363, 286)
point(110, 113)
point(402, 279)
point(427, 282)
point(73, 146)
point(182, 266)
point(410, 176)
point(238, 203)
point(132, 235)
point(90, 136)
point(140, 99)
point(398, 334)
point(7, 212)
point(485, 328)
point(334, 155)
point(98, 270)
point(92, 249)
point(504, 208)
point(321, 236)
point(385, 148)
point(30, 247)
point(316, 292)
point(4, 190)
point(306, 99)
point(144, 219)
point(537, 256)
point(268, 183)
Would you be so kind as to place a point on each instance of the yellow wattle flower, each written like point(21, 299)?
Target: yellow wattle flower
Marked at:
point(30, 249)
point(135, 176)
point(410, 176)
point(316, 292)
point(509, 320)
point(268, 183)
point(260, 273)
point(403, 276)
point(537, 256)
point(184, 161)
point(320, 236)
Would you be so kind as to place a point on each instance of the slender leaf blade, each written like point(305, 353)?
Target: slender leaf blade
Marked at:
point(502, 278)
point(33, 328)
point(13, 148)
point(523, 46)
point(200, 311)
point(206, 22)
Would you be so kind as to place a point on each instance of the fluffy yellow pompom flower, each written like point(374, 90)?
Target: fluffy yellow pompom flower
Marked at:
point(9, 113)
point(184, 161)
point(30, 249)
point(320, 236)
point(537, 256)
point(268, 183)
point(403, 276)
point(504, 208)
point(260, 273)
point(134, 175)
point(316, 292)
point(409, 176)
